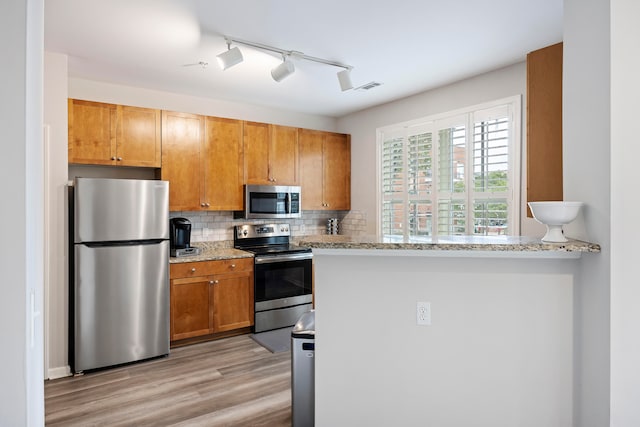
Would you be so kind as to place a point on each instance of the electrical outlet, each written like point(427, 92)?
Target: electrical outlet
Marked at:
point(423, 313)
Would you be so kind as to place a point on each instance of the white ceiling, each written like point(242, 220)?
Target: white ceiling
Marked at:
point(407, 45)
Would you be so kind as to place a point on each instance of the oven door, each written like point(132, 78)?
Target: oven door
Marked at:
point(282, 280)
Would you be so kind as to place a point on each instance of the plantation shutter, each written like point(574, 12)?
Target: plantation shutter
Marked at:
point(454, 175)
point(393, 183)
point(407, 181)
point(491, 165)
point(420, 182)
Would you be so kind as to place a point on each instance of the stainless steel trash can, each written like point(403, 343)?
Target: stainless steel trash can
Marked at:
point(303, 370)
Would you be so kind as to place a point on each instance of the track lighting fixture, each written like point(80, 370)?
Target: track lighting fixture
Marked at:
point(229, 58)
point(344, 78)
point(283, 70)
point(233, 56)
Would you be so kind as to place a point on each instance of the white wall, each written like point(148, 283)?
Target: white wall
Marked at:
point(586, 134)
point(12, 257)
point(21, 386)
point(502, 83)
point(127, 95)
point(55, 119)
point(625, 205)
point(498, 353)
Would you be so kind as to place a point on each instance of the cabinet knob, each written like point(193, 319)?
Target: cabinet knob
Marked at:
point(193, 270)
point(215, 282)
point(206, 205)
point(211, 282)
point(119, 159)
point(202, 205)
point(233, 266)
point(113, 158)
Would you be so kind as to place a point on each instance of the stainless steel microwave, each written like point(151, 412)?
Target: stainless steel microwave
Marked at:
point(272, 201)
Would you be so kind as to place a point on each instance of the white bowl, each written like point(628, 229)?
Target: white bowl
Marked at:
point(554, 215)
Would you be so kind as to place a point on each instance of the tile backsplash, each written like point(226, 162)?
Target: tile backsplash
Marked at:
point(214, 226)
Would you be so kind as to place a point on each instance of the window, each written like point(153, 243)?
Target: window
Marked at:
point(455, 174)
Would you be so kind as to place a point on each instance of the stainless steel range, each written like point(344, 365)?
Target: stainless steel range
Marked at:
point(282, 274)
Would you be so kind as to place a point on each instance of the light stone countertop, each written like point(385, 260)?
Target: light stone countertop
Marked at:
point(492, 246)
point(212, 251)
point(495, 246)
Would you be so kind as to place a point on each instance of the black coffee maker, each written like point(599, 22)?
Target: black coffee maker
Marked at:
point(180, 237)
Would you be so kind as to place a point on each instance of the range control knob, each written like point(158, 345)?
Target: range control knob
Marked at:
point(245, 232)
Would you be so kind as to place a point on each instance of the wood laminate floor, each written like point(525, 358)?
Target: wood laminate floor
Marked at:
point(229, 382)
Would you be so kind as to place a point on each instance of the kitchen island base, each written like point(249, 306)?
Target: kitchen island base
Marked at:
point(498, 352)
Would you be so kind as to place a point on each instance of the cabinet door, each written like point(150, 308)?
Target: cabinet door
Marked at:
point(190, 313)
point(337, 172)
point(182, 136)
point(233, 305)
point(283, 155)
point(138, 140)
point(311, 168)
point(223, 164)
point(256, 152)
point(92, 132)
point(544, 124)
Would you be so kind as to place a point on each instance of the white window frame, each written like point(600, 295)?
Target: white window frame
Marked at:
point(514, 103)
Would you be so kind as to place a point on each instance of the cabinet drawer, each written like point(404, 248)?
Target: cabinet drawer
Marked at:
point(206, 268)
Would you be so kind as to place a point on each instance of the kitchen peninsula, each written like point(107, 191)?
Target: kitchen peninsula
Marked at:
point(499, 349)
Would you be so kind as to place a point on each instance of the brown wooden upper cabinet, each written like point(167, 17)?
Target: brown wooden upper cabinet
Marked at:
point(203, 162)
point(270, 154)
point(223, 164)
point(207, 160)
point(116, 135)
point(325, 170)
point(544, 124)
point(182, 137)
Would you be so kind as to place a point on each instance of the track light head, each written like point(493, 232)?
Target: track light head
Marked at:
point(283, 70)
point(229, 58)
point(344, 78)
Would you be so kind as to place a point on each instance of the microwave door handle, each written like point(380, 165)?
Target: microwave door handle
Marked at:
point(287, 199)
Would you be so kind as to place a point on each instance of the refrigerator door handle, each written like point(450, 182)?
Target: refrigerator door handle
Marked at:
point(123, 243)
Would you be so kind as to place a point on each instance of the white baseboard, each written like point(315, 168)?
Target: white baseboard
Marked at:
point(60, 372)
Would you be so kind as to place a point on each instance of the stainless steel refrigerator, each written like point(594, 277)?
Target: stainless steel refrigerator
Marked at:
point(119, 272)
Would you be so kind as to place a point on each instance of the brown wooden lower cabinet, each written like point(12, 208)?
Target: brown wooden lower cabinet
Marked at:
point(210, 297)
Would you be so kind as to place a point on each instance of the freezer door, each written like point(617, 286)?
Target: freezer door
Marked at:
point(120, 209)
point(121, 304)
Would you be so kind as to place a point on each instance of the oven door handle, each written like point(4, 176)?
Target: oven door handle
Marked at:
point(282, 258)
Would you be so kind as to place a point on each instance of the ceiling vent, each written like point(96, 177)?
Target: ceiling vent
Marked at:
point(368, 86)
